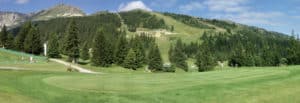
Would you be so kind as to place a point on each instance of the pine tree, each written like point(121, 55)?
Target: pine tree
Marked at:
point(10, 41)
point(32, 43)
point(84, 54)
point(293, 52)
point(137, 46)
point(121, 50)
point(131, 61)
point(72, 42)
point(178, 57)
point(154, 59)
point(170, 54)
point(204, 60)
point(20, 38)
point(53, 47)
point(102, 54)
point(3, 37)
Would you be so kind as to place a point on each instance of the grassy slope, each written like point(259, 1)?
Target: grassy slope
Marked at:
point(10, 58)
point(183, 31)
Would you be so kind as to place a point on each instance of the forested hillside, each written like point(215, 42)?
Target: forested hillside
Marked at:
point(138, 18)
point(189, 20)
point(212, 41)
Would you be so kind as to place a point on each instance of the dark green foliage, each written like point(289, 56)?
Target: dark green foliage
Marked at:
point(53, 47)
point(137, 18)
point(172, 28)
point(188, 20)
point(3, 37)
point(121, 50)
point(6, 39)
point(169, 68)
point(131, 61)
point(250, 47)
point(293, 51)
point(102, 54)
point(137, 46)
point(32, 42)
point(177, 56)
point(10, 41)
point(88, 26)
point(84, 53)
point(204, 60)
point(71, 43)
point(154, 59)
point(283, 61)
point(20, 38)
point(223, 24)
point(191, 49)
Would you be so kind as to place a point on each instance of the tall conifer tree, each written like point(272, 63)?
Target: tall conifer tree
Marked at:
point(32, 42)
point(20, 38)
point(178, 57)
point(84, 53)
point(10, 41)
point(3, 37)
point(72, 42)
point(205, 60)
point(121, 50)
point(131, 61)
point(102, 54)
point(154, 59)
point(53, 47)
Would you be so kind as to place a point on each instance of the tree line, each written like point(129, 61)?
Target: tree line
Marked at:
point(243, 48)
point(138, 18)
point(246, 47)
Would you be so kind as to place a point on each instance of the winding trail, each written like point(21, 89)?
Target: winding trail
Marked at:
point(80, 69)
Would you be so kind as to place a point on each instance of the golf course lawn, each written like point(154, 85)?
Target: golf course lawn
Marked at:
point(242, 85)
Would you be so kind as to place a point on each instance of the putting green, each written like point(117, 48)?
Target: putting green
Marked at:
point(148, 83)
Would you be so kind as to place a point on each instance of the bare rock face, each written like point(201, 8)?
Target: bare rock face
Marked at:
point(58, 11)
point(11, 19)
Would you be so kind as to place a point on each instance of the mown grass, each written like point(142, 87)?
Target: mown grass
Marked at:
point(243, 85)
point(9, 58)
point(45, 82)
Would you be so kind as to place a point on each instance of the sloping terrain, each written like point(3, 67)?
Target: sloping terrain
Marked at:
point(19, 60)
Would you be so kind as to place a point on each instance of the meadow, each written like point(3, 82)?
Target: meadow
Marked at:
point(48, 82)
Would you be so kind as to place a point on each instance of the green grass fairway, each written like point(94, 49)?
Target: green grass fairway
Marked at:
point(244, 85)
point(48, 82)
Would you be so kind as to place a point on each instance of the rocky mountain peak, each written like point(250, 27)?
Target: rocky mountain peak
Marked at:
point(60, 10)
point(11, 19)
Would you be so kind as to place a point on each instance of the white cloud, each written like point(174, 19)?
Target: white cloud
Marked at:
point(22, 1)
point(226, 5)
point(134, 5)
point(191, 6)
point(235, 10)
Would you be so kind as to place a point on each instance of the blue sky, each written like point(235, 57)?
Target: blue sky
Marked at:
point(276, 15)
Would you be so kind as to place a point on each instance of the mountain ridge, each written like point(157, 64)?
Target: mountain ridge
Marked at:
point(63, 10)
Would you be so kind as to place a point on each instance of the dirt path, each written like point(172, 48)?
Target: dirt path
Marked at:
point(80, 69)
point(11, 68)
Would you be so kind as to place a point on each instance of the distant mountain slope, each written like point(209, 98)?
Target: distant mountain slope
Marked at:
point(88, 25)
point(11, 19)
point(61, 10)
point(167, 28)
